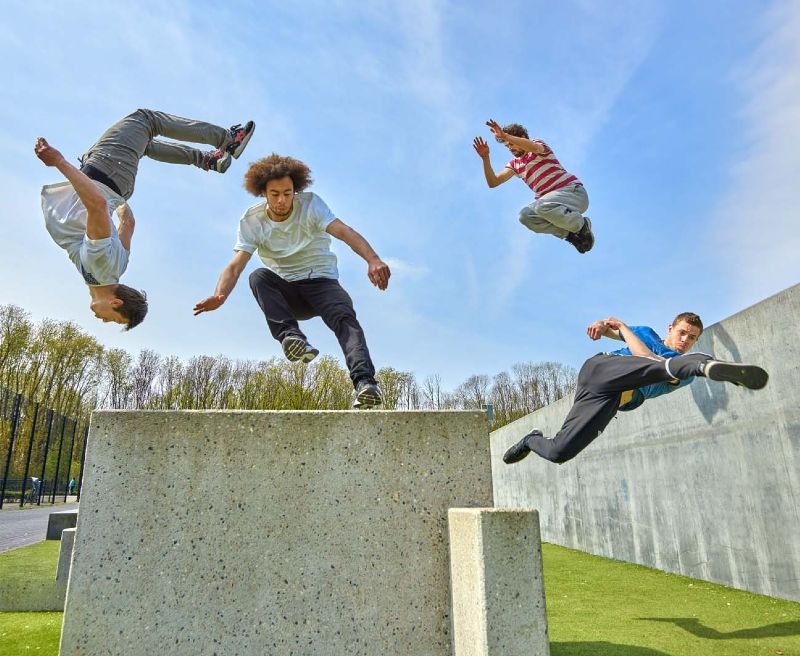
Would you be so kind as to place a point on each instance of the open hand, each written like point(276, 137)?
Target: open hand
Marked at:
point(481, 147)
point(209, 304)
point(497, 130)
point(45, 152)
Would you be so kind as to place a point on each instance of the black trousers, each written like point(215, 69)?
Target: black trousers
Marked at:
point(284, 303)
point(601, 382)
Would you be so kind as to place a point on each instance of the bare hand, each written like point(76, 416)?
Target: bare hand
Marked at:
point(481, 147)
point(45, 152)
point(379, 274)
point(497, 130)
point(125, 213)
point(209, 304)
point(596, 330)
point(614, 324)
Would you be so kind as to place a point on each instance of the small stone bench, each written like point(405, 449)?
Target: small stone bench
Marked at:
point(60, 520)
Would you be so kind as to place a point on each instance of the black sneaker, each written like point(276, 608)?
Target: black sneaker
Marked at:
point(296, 349)
point(744, 375)
point(217, 160)
point(520, 450)
point(367, 395)
point(585, 236)
point(241, 136)
point(572, 238)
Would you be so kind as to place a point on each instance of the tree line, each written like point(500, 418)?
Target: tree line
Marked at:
point(58, 365)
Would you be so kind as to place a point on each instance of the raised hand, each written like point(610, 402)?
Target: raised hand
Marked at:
point(481, 147)
point(45, 152)
point(496, 129)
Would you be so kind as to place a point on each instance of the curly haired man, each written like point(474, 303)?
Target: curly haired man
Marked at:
point(291, 230)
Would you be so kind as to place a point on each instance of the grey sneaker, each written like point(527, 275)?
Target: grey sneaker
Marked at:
point(241, 136)
point(367, 395)
point(217, 160)
point(744, 375)
point(296, 349)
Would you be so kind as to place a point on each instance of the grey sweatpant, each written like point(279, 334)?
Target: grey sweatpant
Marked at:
point(601, 381)
point(119, 149)
point(557, 213)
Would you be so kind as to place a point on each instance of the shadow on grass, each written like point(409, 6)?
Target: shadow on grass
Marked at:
point(600, 649)
point(692, 625)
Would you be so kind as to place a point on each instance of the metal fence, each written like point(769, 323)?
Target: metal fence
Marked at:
point(40, 450)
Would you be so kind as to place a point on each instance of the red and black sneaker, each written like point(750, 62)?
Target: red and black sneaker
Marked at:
point(240, 134)
point(217, 160)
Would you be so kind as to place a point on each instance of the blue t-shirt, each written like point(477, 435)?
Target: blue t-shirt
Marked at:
point(656, 345)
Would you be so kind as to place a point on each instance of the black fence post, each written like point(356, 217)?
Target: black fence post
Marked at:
point(69, 458)
point(14, 420)
point(83, 460)
point(46, 451)
point(58, 458)
point(28, 457)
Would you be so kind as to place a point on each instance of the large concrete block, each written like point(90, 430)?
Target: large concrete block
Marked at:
point(60, 520)
point(497, 583)
point(244, 533)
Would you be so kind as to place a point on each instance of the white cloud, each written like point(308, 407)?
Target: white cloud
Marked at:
point(406, 269)
point(756, 221)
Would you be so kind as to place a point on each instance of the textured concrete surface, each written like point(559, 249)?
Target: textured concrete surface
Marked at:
point(65, 558)
point(60, 520)
point(497, 583)
point(270, 532)
point(704, 481)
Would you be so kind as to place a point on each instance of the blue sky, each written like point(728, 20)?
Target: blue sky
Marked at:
point(682, 119)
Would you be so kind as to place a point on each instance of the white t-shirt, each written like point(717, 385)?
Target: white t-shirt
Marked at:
point(99, 261)
point(295, 249)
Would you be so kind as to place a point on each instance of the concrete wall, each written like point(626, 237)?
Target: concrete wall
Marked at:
point(703, 482)
point(332, 540)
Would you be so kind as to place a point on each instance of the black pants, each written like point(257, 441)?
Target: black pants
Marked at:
point(601, 382)
point(284, 303)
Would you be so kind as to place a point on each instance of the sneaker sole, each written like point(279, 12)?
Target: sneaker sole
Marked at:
point(744, 375)
point(367, 400)
point(295, 349)
point(243, 143)
point(223, 165)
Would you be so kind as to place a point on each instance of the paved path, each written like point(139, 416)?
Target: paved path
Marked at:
point(22, 527)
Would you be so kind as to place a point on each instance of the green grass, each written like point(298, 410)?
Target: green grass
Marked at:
point(595, 606)
point(600, 607)
point(34, 563)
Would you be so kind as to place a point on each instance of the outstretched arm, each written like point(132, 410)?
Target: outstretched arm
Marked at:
point(378, 271)
point(98, 222)
point(492, 179)
point(636, 345)
point(527, 145)
point(227, 281)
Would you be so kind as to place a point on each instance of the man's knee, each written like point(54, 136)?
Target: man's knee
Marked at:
point(528, 217)
point(261, 278)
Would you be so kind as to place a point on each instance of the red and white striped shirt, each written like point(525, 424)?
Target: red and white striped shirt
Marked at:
point(541, 172)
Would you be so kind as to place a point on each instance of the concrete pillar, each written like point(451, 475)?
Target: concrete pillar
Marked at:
point(252, 533)
point(497, 583)
point(65, 556)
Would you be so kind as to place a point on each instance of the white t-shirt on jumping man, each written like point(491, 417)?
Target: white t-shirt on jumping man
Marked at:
point(297, 248)
point(99, 261)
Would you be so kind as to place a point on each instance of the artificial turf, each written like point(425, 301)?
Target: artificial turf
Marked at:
point(595, 607)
